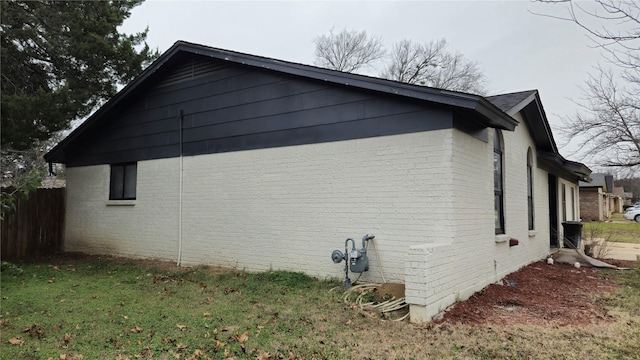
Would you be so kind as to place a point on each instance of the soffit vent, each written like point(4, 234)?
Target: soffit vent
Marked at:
point(193, 68)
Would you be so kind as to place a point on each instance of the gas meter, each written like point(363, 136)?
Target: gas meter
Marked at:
point(356, 260)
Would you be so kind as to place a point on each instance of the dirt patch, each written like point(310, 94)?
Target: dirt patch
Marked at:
point(390, 290)
point(71, 258)
point(539, 294)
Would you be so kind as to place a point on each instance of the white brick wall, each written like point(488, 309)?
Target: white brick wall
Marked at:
point(290, 207)
point(146, 228)
point(437, 275)
point(454, 271)
point(285, 208)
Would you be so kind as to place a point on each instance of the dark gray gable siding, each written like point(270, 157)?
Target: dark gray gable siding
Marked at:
point(230, 107)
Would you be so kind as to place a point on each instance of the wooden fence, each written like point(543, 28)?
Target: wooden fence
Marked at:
point(36, 226)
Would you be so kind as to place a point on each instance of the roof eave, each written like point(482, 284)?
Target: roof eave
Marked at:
point(558, 165)
point(497, 118)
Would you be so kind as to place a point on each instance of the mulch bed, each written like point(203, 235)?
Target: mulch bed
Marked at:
point(539, 294)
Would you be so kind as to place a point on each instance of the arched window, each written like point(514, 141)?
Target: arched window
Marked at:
point(498, 181)
point(530, 189)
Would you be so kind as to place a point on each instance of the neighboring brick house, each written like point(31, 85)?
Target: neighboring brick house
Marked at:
point(597, 198)
point(222, 158)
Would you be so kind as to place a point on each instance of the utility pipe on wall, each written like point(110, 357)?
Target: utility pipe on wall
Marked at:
point(180, 190)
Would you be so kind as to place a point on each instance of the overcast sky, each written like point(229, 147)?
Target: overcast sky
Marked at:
point(516, 49)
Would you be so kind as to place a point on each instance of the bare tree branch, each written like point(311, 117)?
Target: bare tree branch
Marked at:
point(16, 164)
point(410, 62)
point(348, 50)
point(609, 123)
point(432, 65)
point(428, 64)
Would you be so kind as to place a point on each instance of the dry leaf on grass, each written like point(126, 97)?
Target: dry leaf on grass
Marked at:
point(182, 327)
point(136, 330)
point(241, 337)
point(18, 340)
point(71, 357)
point(146, 352)
point(34, 331)
point(219, 344)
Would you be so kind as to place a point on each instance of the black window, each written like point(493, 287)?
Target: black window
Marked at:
point(564, 202)
point(498, 183)
point(123, 181)
point(530, 189)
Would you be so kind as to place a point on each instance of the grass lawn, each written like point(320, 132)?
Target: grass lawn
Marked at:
point(104, 309)
point(620, 230)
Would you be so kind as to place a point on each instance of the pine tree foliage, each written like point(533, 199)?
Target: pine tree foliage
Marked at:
point(60, 60)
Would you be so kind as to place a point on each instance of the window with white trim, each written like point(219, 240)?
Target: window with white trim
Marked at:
point(122, 185)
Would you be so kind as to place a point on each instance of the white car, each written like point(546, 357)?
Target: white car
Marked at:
point(632, 213)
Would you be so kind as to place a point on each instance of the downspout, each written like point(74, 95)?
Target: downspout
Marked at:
point(51, 172)
point(180, 190)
